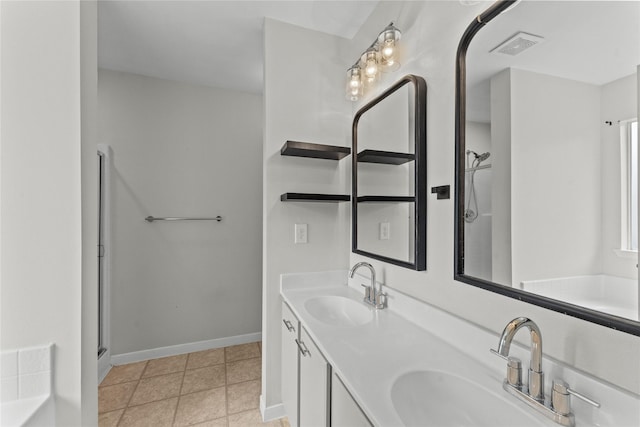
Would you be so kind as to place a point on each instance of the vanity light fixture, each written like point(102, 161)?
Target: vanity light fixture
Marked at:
point(380, 56)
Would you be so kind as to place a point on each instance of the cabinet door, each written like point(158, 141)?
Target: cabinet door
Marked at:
point(290, 361)
point(314, 384)
point(344, 410)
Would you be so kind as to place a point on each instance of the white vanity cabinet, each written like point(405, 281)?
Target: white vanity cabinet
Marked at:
point(345, 412)
point(290, 364)
point(315, 374)
point(305, 375)
point(312, 396)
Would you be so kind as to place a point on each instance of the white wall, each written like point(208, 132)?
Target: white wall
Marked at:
point(555, 169)
point(45, 257)
point(304, 100)
point(187, 151)
point(431, 32)
point(501, 230)
point(618, 103)
point(89, 180)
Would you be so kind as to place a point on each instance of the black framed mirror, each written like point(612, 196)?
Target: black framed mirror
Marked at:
point(545, 157)
point(389, 184)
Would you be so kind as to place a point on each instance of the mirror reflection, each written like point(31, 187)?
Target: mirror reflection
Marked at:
point(389, 210)
point(550, 189)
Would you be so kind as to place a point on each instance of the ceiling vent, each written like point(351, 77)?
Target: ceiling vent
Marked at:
point(517, 43)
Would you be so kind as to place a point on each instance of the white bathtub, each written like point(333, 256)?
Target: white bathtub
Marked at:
point(33, 412)
point(609, 294)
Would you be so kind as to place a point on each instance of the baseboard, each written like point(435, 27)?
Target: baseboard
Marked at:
point(104, 365)
point(173, 350)
point(272, 412)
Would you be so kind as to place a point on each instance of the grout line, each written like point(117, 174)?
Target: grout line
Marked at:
point(184, 373)
point(226, 387)
point(128, 401)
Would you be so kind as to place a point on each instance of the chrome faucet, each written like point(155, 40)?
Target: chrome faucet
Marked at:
point(559, 408)
point(371, 296)
point(536, 377)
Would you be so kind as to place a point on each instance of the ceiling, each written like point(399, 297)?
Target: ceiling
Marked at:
point(588, 41)
point(213, 43)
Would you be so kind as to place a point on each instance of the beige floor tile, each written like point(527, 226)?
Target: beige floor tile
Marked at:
point(244, 370)
point(124, 373)
point(157, 388)
point(243, 396)
point(201, 406)
point(114, 397)
point(242, 351)
point(155, 414)
point(110, 419)
point(285, 422)
point(165, 365)
point(220, 422)
point(200, 359)
point(250, 419)
point(203, 379)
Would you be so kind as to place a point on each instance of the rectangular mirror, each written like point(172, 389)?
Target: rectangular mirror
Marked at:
point(389, 176)
point(546, 128)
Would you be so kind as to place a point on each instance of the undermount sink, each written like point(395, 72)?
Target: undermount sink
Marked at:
point(338, 311)
point(433, 398)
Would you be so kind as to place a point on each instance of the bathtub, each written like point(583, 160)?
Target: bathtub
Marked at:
point(610, 294)
point(32, 412)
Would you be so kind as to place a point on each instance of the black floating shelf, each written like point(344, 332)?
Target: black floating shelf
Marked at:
point(316, 151)
point(387, 199)
point(311, 197)
point(385, 157)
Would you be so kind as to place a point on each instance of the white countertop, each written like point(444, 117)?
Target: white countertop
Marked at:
point(370, 357)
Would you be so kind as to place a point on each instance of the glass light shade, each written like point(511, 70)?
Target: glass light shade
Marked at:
point(370, 62)
point(354, 83)
point(387, 42)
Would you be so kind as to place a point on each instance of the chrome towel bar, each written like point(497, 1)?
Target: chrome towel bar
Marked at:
point(151, 219)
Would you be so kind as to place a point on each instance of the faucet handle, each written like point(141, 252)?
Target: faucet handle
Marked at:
point(560, 392)
point(367, 292)
point(381, 300)
point(514, 372)
point(495, 353)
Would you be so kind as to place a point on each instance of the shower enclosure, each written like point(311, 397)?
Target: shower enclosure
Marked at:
point(103, 260)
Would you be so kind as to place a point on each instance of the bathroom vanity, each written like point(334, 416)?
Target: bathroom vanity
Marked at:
point(345, 363)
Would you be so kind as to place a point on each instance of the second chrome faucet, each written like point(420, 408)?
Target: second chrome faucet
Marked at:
point(559, 407)
point(372, 296)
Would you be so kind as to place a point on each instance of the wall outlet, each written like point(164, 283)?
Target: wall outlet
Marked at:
point(300, 233)
point(385, 231)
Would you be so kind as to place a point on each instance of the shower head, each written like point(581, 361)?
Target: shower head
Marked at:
point(479, 157)
point(482, 157)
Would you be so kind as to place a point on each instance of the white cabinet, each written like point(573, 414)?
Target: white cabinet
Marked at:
point(310, 395)
point(290, 363)
point(345, 412)
point(315, 375)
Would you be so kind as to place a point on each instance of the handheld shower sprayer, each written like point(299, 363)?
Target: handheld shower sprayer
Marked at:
point(479, 158)
point(471, 211)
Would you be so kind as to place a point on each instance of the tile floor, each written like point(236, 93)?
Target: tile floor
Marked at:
point(219, 387)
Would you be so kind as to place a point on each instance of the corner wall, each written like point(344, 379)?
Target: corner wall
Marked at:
point(46, 271)
point(303, 101)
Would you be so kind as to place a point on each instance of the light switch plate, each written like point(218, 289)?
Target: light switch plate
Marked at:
point(301, 233)
point(385, 230)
